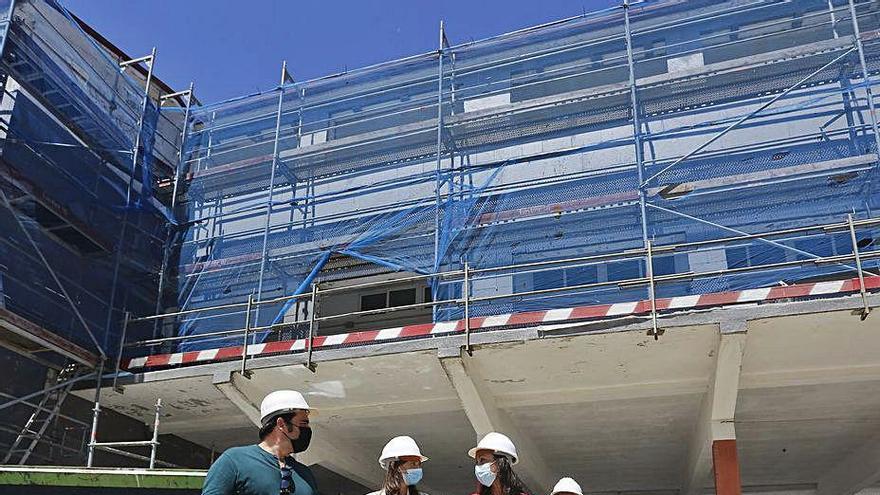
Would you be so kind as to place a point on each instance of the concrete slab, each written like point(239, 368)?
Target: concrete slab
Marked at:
point(613, 408)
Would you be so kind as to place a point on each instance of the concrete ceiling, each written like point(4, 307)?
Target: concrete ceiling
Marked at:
point(617, 411)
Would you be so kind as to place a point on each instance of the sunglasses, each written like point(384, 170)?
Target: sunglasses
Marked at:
point(287, 485)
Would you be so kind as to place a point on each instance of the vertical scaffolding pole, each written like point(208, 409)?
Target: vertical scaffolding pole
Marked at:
point(855, 245)
point(270, 201)
point(833, 18)
point(154, 443)
point(655, 329)
point(5, 31)
point(637, 125)
point(166, 255)
point(96, 413)
point(466, 290)
point(150, 60)
point(180, 156)
point(869, 94)
point(868, 91)
point(312, 327)
point(125, 322)
point(437, 175)
point(247, 328)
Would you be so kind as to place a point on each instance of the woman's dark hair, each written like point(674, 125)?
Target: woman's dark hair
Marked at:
point(270, 424)
point(510, 482)
point(394, 480)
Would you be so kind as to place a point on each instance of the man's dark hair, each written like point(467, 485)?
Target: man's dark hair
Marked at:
point(269, 425)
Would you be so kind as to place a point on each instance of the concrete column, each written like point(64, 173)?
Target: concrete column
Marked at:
point(726, 467)
point(484, 416)
point(714, 438)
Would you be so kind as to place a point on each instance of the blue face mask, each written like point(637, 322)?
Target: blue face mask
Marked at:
point(412, 476)
point(484, 474)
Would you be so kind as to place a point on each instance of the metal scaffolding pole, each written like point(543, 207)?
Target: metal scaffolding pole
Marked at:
point(866, 310)
point(154, 443)
point(96, 413)
point(6, 27)
point(437, 174)
point(125, 322)
point(247, 327)
point(313, 327)
point(867, 79)
point(180, 157)
point(270, 201)
point(150, 60)
point(637, 126)
point(466, 294)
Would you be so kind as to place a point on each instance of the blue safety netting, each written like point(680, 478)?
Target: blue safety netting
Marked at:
point(71, 119)
point(534, 160)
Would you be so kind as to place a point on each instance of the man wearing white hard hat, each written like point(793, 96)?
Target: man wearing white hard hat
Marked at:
point(567, 486)
point(268, 468)
point(494, 458)
point(402, 461)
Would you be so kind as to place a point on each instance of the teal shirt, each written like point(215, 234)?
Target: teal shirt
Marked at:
point(251, 470)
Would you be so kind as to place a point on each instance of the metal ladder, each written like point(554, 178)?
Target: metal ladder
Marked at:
point(45, 413)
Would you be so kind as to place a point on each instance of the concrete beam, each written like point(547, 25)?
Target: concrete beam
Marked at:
point(324, 448)
point(484, 416)
point(855, 472)
point(716, 413)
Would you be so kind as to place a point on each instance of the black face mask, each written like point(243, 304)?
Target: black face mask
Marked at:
point(302, 443)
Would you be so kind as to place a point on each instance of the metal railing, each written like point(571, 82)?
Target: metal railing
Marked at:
point(852, 262)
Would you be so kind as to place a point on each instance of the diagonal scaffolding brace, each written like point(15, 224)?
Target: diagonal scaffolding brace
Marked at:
point(746, 117)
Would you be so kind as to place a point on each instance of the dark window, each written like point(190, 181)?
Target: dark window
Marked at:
point(428, 295)
point(581, 275)
point(548, 280)
point(403, 297)
point(374, 301)
point(624, 270)
point(737, 257)
point(664, 265)
point(819, 246)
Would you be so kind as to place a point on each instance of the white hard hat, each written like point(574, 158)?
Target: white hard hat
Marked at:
point(497, 443)
point(281, 402)
point(398, 447)
point(567, 485)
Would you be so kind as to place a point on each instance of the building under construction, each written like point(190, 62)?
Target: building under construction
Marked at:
point(641, 241)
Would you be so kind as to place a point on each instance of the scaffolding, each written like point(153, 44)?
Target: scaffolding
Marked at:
point(656, 149)
point(85, 134)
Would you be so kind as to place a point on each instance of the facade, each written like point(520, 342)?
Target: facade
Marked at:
point(641, 240)
point(686, 125)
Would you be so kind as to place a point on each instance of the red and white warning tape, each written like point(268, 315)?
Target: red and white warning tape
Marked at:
point(508, 320)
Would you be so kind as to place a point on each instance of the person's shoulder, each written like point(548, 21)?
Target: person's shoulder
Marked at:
point(377, 492)
point(241, 451)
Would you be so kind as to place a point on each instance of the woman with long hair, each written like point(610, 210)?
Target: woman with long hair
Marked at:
point(402, 462)
point(494, 458)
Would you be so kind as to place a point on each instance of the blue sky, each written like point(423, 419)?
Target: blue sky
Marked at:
point(230, 50)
